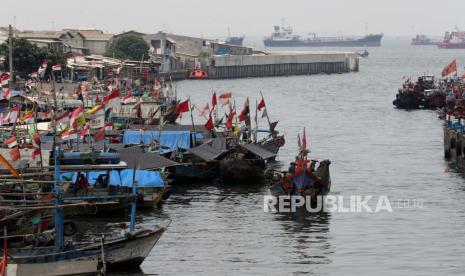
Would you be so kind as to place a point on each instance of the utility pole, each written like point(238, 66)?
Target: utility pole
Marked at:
point(10, 51)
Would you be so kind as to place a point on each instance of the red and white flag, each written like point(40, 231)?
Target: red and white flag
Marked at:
point(209, 124)
point(34, 75)
point(75, 117)
point(126, 99)
point(69, 135)
point(62, 121)
point(109, 126)
point(225, 98)
point(12, 116)
point(35, 155)
point(99, 135)
point(11, 142)
point(450, 69)
point(261, 104)
point(15, 153)
point(182, 107)
point(5, 79)
point(85, 131)
point(112, 99)
point(36, 140)
point(56, 67)
point(229, 122)
point(205, 110)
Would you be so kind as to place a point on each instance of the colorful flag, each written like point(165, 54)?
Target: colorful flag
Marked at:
point(36, 140)
point(11, 142)
point(28, 118)
point(245, 112)
point(5, 79)
point(100, 135)
point(261, 104)
point(205, 110)
point(225, 98)
point(450, 68)
point(182, 107)
point(56, 67)
point(109, 126)
point(15, 154)
point(76, 117)
point(214, 103)
point(69, 134)
point(209, 124)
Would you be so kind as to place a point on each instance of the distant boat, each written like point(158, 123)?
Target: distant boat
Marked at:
point(453, 40)
point(421, 39)
point(284, 37)
point(235, 40)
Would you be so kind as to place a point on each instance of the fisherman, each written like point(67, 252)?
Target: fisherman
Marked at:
point(81, 183)
point(291, 169)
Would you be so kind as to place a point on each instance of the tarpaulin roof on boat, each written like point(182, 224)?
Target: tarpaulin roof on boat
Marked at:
point(124, 177)
point(259, 151)
point(170, 139)
point(135, 156)
point(206, 152)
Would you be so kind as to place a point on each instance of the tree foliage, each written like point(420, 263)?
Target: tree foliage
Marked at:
point(129, 46)
point(27, 57)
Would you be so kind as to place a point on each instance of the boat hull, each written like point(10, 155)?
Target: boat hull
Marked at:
point(368, 41)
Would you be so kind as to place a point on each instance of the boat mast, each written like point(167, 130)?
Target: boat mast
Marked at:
point(10, 52)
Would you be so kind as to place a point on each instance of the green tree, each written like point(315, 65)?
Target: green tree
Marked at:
point(129, 46)
point(27, 57)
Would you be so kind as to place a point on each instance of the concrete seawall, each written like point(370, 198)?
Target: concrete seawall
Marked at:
point(283, 64)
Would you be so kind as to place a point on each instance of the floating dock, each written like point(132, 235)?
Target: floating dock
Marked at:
point(282, 64)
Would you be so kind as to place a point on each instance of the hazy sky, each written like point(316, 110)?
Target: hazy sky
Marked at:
point(211, 18)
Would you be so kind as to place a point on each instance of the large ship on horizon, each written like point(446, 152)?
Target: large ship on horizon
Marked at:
point(422, 39)
point(453, 40)
point(284, 37)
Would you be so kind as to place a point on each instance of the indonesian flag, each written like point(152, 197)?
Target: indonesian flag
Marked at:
point(85, 131)
point(35, 155)
point(5, 79)
point(450, 68)
point(56, 67)
point(100, 135)
point(225, 98)
point(230, 120)
point(261, 104)
point(109, 126)
point(69, 134)
point(245, 112)
point(27, 119)
point(126, 99)
point(214, 103)
point(45, 115)
point(13, 114)
point(11, 142)
point(182, 107)
point(112, 99)
point(62, 121)
point(76, 117)
point(209, 124)
point(205, 110)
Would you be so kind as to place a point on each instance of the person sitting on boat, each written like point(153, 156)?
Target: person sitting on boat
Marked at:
point(101, 181)
point(81, 183)
point(291, 169)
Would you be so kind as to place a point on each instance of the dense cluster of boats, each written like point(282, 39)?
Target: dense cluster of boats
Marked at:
point(115, 148)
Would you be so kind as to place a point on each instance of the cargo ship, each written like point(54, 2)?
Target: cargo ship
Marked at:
point(235, 40)
point(284, 37)
point(422, 39)
point(453, 40)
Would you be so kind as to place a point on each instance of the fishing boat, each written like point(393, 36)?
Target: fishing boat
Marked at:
point(421, 94)
point(421, 40)
point(303, 177)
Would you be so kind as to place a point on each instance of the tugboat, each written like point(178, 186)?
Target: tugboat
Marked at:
point(283, 37)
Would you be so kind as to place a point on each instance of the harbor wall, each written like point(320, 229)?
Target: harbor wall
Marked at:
point(454, 147)
point(282, 64)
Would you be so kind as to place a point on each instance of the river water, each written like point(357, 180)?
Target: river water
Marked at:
point(375, 150)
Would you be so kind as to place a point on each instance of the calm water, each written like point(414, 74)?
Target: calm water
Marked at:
point(375, 150)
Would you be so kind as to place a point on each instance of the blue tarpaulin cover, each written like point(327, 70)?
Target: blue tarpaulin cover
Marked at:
point(170, 139)
point(144, 178)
